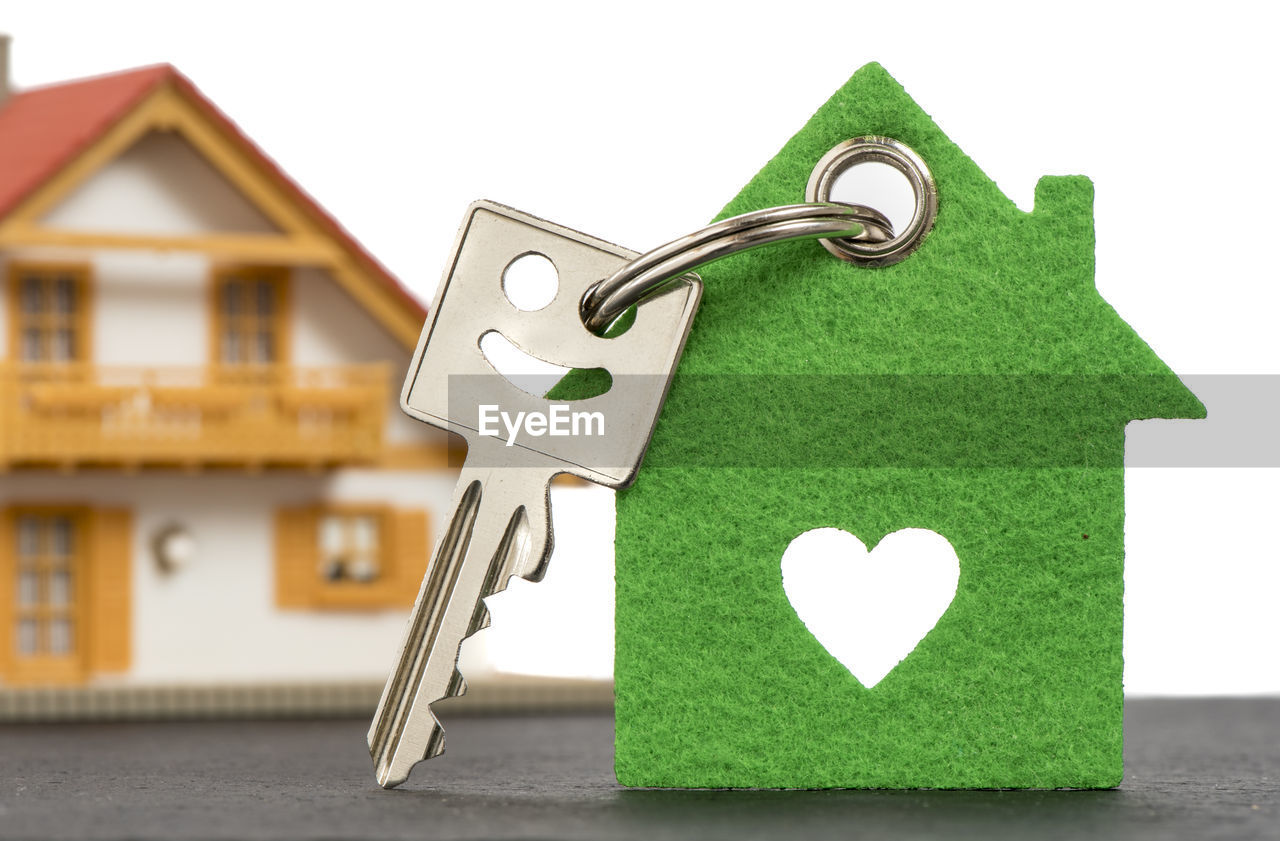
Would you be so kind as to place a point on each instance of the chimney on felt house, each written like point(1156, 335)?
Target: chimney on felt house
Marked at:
point(4, 67)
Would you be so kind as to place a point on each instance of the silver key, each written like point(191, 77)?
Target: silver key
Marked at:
point(500, 523)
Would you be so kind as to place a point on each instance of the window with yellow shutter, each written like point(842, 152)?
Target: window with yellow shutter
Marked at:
point(349, 556)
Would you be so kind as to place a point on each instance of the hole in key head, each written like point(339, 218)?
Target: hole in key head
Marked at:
point(530, 281)
point(538, 376)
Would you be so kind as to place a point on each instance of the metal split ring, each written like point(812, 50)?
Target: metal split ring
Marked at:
point(852, 232)
point(650, 272)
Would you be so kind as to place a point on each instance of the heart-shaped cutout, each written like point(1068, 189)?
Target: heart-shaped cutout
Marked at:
point(870, 609)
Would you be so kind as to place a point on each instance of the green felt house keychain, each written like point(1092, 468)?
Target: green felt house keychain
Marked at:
point(879, 538)
point(976, 393)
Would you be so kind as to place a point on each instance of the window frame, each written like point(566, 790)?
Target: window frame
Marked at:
point(45, 668)
point(223, 276)
point(381, 515)
point(80, 320)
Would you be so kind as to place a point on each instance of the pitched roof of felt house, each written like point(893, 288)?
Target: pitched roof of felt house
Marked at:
point(993, 290)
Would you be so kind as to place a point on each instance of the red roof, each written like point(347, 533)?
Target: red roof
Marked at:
point(44, 129)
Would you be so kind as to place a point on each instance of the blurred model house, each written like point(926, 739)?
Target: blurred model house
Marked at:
point(206, 479)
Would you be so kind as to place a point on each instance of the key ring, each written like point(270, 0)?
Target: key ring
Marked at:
point(852, 232)
point(650, 272)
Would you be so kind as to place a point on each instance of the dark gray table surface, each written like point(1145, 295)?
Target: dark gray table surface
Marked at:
point(1195, 769)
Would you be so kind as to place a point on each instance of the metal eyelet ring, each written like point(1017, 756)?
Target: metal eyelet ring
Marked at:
point(902, 158)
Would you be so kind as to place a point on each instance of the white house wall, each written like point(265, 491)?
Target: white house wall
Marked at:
point(330, 328)
point(161, 186)
point(216, 621)
point(150, 309)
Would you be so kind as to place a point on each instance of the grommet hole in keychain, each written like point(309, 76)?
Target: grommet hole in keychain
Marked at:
point(877, 185)
point(856, 153)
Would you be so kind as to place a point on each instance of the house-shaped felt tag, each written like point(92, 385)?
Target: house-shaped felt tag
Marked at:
point(975, 393)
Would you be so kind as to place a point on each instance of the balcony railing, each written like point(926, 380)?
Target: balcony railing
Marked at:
point(71, 415)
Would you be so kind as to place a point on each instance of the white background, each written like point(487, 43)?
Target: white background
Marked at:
point(638, 123)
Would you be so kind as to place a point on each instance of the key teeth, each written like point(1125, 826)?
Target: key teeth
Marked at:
point(537, 573)
point(390, 770)
point(391, 773)
point(480, 619)
point(435, 746)
point(400, 737)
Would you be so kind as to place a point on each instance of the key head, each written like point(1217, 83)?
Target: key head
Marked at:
point(450, 383)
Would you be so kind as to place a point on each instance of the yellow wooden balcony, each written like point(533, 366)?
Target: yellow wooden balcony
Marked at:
point(71, 415)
